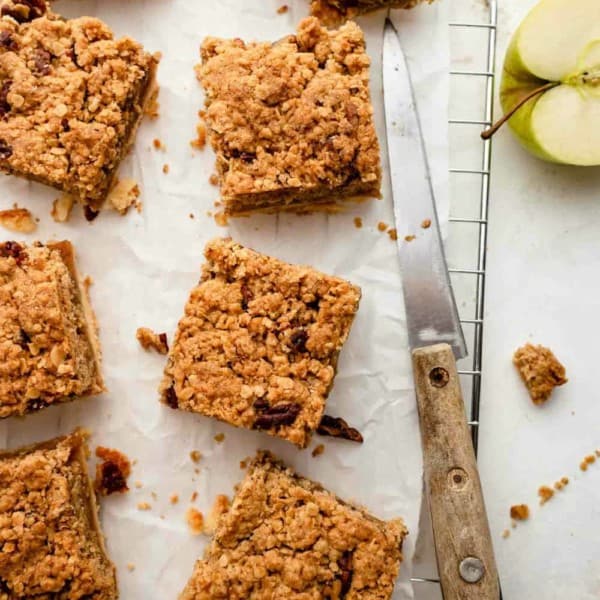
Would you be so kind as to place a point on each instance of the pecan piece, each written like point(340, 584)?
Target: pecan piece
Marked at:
point(8, 41)
point(112, 472)
point(42, 60)
point(337, 427)
point(90, 213)
point(24, 10)
point(278, 415)
point(12, 250)
point(260, 405)
point(171, 397)
point(5, 148)
point(298, 340)
point(345, 565)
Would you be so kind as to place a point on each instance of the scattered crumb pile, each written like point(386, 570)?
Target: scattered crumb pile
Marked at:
point(112, 472)
point(545, 493)
point(540, 370)
point(519, 512)
point(19, 220)
point(150, 340)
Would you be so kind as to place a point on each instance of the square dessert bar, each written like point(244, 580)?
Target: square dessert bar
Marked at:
point(51, 545)
point(291, 122)
point(286, 537)
point(49, 349)
point(259, 342)
point(334, 11)
point(71, 97)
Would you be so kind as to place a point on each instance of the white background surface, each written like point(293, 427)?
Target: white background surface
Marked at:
point(144, 265)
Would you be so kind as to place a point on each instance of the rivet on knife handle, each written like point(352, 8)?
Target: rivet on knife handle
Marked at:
point(463, 542)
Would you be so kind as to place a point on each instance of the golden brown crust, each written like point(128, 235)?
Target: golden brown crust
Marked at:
point(540, 370)
point(70, 100)
point(333, 12)
point(292, 122)
point(286, 537)
point(50, 542)
point(48, 342)
point(259, 342)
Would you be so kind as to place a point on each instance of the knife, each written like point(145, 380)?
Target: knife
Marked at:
point(464, 551)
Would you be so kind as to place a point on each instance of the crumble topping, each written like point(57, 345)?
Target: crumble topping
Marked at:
point(259, 342)
point(285, 536)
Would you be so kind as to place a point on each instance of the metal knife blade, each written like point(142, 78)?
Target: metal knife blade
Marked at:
point(431, 312)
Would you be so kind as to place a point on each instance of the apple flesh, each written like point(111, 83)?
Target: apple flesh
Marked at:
point(554, 58)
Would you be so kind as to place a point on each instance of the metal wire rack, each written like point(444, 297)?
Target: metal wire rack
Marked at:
point(469, 281)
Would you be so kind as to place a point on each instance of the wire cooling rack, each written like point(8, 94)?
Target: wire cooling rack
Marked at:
point(472, 80)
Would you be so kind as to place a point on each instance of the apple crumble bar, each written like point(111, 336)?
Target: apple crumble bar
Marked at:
point(259, 342)
point(333, 12)
point(71, 97)
point(540, 370)
point(291, 122)
point(287, 537)
point(48, 340)
point(51, 545)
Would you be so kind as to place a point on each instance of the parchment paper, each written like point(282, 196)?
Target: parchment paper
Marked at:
point(143, 266)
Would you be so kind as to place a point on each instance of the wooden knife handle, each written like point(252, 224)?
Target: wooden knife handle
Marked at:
point(461, 531)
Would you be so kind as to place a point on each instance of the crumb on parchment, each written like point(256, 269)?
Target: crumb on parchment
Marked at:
point(561, 483)
point(358, 223)
point(506, 533)
point(144, 506)
point(174, 499)
point(283, 9)
point(19, 220)
point(138, 484)
point(393, 233)
point(545, 493)
point(149, 340)
point(166, 169)
point(410, 238)
point(587, 461)
point(219, 437)
point(196, 456)
point(381, 226)
point(220, 506)
point(318, 450)
point(213, 179)
point(519, 512)
point(426, 224)
point(540, 371)
point(130, 567)
point(195, 520)
point(112, 472)
point(158, 145)
point(199, 142)
point(194, 497)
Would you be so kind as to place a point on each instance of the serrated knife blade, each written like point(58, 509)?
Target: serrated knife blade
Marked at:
point(431, 312)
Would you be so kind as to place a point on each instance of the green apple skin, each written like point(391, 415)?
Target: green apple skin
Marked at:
point(517, 82)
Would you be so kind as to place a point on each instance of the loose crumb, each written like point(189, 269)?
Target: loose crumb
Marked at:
point(191, 215)
point(244, 463)
point(195, 520)
point(213, 179)
point(283, 9)
point(124, 195)
point(144, 506)
point(219, 437)
point(62, 207)
point(590, 459)
point(393, 233)
point(519, 512)
point(540, 371)
point(506, 533)
point(426, 224)
point(174, 499)
point(195, 455)
point(154, 496)
point(19, 220)
point(130, 567)
point(382, 226)
point(194, 497)
point(318, 450)
point(138, 484)
point(197, 471)
point(597, 453)
point(200, 142)
point(221, 219)
point(166, 169)
point(220, 507)
point(561, 483)
point(583, 466)
point(112, 472)
point(150, 340)
point(410, 238)
point(545, 493)
point(358, 223)
point(158, 145)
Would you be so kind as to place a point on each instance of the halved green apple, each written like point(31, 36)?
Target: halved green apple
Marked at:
point(550, 90)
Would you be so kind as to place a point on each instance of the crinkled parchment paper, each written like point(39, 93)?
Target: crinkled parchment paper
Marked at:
point(143, 266)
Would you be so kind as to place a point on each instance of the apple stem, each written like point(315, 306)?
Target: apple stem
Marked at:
point(488, 133)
